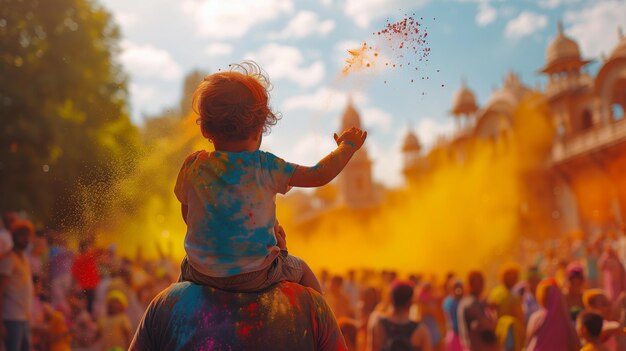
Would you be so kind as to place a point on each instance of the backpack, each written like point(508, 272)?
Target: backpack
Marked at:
point(398, 336)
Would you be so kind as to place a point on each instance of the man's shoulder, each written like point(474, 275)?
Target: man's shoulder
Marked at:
point(190, 290)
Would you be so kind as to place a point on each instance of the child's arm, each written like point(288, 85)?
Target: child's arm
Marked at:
point(330, 166)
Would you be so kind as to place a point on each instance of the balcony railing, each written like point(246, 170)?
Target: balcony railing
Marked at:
point(595, 138)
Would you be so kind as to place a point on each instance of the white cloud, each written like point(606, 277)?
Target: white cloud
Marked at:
point(486, 14)
point(218, 49)
point(376, 119)
point(551, 4)
point(525, 24)
point(287, 62)
point(233, 18)
point(429, 130)
point(311, 148)
point(364, 11)
point(147, 61)
point(323, 99)
point(304, 24)
point(387, 161)
point(125, 19)
point(595, 26)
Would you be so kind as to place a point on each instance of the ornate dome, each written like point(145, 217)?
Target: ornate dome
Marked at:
point(350, 117)
point(411, 143)
point(620, 49)
point(464, 101)
point(562, 49)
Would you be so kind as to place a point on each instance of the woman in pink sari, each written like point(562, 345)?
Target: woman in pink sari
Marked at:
point(549, 329)
point(613, 274)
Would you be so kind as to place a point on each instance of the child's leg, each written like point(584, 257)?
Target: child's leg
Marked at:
point(309, 279)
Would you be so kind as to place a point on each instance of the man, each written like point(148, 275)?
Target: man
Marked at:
point(476, 329)
point(16, 291)
point(85, 272)
point(394, 330)
point(508, 307)
point(338, 300)
point(286, 316)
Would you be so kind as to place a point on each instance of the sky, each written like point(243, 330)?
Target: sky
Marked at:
point(302, 44)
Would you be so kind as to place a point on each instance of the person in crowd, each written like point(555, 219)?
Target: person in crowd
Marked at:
point(16, 291)
point(366, 305)
point(58, 336)
point(529, 299)
point(550, 328)
point(85, 272)
point(451, 308)
point(574, 289)
point(286, 316)
point(81, 323)
point(613, 273)
point(394, 330)
point(592, 256)
point(38, 253)
point(60, 272)
point(476, 326)
point(430, 313)
point(351, 289)
point(114, 329)
point(589, 327)
point(597, 301)
point(337, 299)
point(349, 330)
point(37, 321)
point(508, 307)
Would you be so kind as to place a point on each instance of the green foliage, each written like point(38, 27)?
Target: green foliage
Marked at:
point(64, 121)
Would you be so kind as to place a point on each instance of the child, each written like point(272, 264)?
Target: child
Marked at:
point(228, 196)
point(590, 329)
point(114, 328)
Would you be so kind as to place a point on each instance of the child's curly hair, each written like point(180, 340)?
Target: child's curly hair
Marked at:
point(233, 105)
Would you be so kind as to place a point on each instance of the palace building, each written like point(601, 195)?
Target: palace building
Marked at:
point(583, 175)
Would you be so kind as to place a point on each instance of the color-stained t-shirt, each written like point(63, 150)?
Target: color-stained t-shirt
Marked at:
point(286, 316)
point(231, 209)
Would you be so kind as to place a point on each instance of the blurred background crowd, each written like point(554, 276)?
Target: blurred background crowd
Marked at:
point(60, 295)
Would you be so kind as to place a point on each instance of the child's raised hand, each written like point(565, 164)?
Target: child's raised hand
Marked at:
point(354, 137)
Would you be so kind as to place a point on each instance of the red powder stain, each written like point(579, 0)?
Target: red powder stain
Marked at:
point(291, 291)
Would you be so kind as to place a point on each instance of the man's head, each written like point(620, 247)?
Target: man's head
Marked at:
point(589, 326)
point(533, 277)
point(21, 232)
point(510, 276)
point(336, 283)
point(401, 295)
point(233, 105)
point(575, 277)
point(455, 287)
point(475, 283)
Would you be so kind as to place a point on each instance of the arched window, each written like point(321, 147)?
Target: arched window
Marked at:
point(617, 111)
point(587, 120)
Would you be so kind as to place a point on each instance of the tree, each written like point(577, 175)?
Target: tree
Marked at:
point(64, 122)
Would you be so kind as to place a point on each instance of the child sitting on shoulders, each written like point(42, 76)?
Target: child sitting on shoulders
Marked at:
point(228, 195)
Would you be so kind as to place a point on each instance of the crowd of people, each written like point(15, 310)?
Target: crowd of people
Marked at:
point(567, 297)
point(57, 296)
